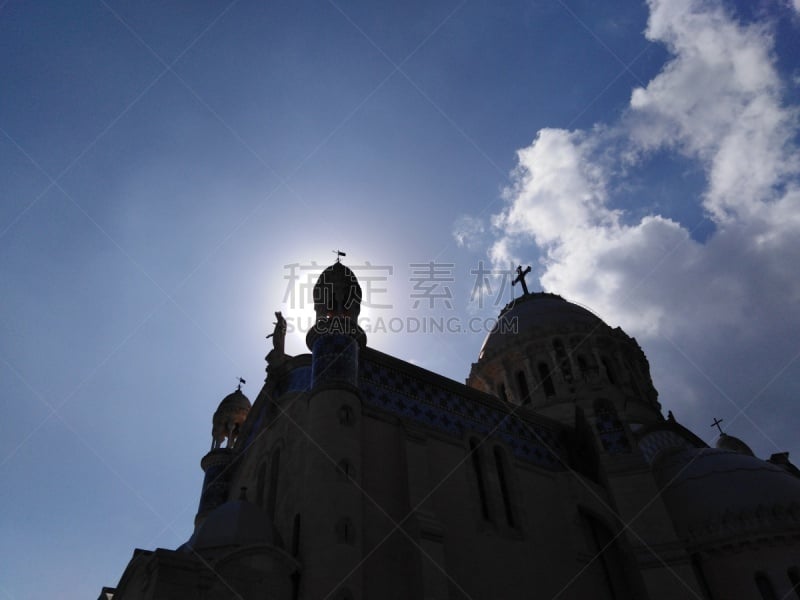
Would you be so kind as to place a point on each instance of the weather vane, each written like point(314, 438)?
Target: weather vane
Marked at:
point(241, 383)
point(339, 254)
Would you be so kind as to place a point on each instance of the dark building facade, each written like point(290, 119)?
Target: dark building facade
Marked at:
point(551, 474)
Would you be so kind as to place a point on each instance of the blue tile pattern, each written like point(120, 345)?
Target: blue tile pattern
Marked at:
point(335, 359)
point(654, 442)
point(297, 380)
point(610, 429)
point(448, 412)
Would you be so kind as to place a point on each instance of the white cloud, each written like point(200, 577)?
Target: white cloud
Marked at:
point(469, 231)
point(717, 101)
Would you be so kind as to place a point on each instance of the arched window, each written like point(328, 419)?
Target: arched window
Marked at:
point(499, 461)
point(765, 587)
point(588, 366)
point(524, 393)
point(547, 382)
point(272, 496)
point(502, 392)
point(476, 465)
point(563, 359)
point(633, 376)
point(582, 364)
point(612, 376)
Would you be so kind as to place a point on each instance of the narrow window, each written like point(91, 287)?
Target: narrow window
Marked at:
point(260, 484)
point(296, 536)
point(604, 545)
point(503, 395)
point(547, 382)
point(524, 394)
point(345, 532)
point(273, 483)
point(296, 553)
point(697, 566)
point(296, 585)
point(345, 470)
point(476, 465)
point(612, 377)
point(794, 577)
point(501, 476)
point(345, 415)
point(765, 587)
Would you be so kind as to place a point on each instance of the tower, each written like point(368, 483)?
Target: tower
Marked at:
point(226, 426)
point(333, 428)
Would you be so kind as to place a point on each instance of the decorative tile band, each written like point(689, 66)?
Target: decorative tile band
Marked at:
point(654, 442)
point(446, 411)
point(334, 359)
point(610, 429)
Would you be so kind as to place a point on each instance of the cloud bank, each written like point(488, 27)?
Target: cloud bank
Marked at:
point(723, 311)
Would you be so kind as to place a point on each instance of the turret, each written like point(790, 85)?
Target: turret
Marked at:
point(226, 425)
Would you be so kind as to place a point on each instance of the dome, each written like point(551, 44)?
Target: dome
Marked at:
point(533, 312)
point(236, 400)
point(706, 489)
point(734, 444)
point(229, 417)
point(236, 523)
point(337, 293)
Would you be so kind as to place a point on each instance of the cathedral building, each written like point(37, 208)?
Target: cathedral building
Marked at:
point(551, 473)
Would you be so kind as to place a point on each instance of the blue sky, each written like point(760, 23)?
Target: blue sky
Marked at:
point(163, 163)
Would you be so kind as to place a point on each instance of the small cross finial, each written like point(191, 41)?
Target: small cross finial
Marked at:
point(241, 383)
point(521, 278)
point(339, 254)
point(716, 424)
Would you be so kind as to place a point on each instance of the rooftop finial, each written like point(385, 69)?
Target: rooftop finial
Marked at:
point(339, 254)
point(521, 278)
point(241, 383)
point(716, 424)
